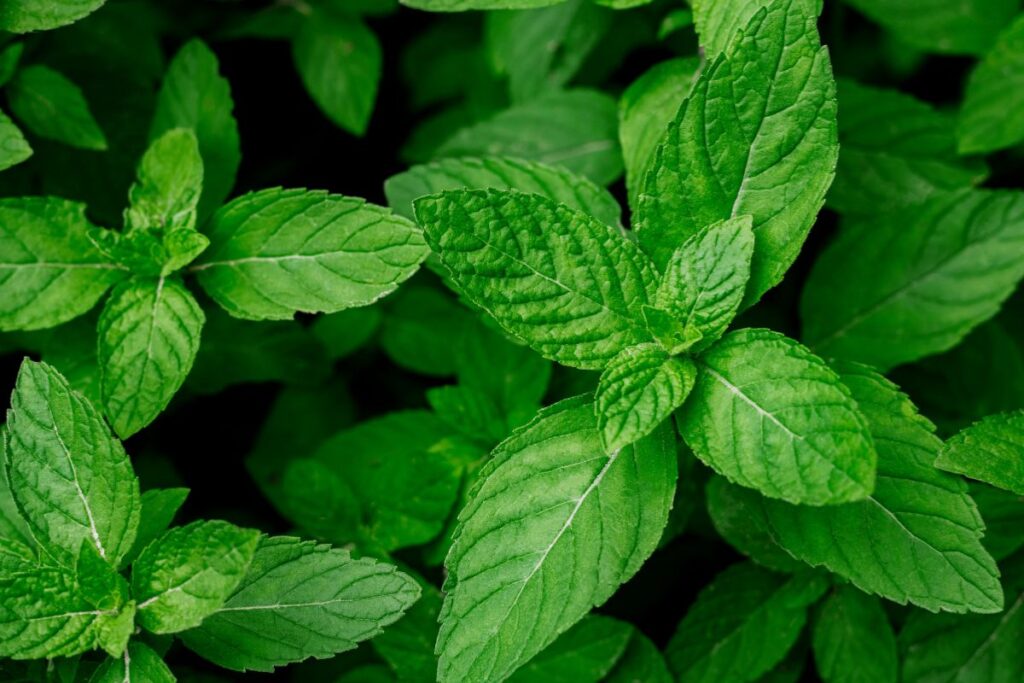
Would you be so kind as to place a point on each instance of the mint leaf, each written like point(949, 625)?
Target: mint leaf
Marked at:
point(705, 278)
point(773, 84)
point(345, 332)
point(470, 412)
point(718, 23)
point(49, 270)
point(639, 388)
point(501, 173)
point(276, 252)
point(70, 477)
point(768, 414)
point(991, 451)
point(898, 287)
point(408, 332)
point(53, 107)
point(988, 119)
point(1004, 519)
point(583, 654)
point(946, 26)
point(22, 16)
point(169, 181)
point(12, 526)
point(299, 600)
point(642, 662)
point(535, 538)
point(148, 339)
point(564, 283)
point(14, 148)
point(139, 664)
point(462, 5)
point(159, 506)
point(408, 644)
point(10, 56)
point(574, 129)
point(194, 95)
point(339, 61)
point(188, 573)
point(743, 605)
point(853, 640)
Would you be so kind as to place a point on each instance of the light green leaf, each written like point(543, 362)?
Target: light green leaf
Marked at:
point(22, 16)
point(12, 526)
point(14, 148)
point(1003, 513)
point(917, 539)
point(168, 183)
point(194, 95)
point(53, 107)
point(531, 554)
point(463, 5)
point(139, 664)
point(575, 129)
point(896, 152)
point(898, 287)
point(299, 600)
point(705, 278)
point(159, 506)
point(70, 477)
point(470, 412)
point(742, 624)
point(768, 102)
point(991, 451)
point(989, 118)
point(276, 252)
point(768, 414)
point(339, 61)
point(501, 173)
point(646, 109)
point(719, 21)
point(642, 662)
point(148, 338)
point(853, 640)
point(188, 573)
point(638, 389)
point(583, 654)
point(567, 285)
point(943, 26)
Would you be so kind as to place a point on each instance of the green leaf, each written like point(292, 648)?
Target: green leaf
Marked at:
point(943, 26)
point(742, 624)
point(10, 57)
point(991, 451)
point(531, 555)
point(768, 414)
point(70, 477)
point(148, 338)
point(574, 129)
point(276, 252)
point(642, 662)
point(194, 95)
point(567, 285)
point(898, 287)
point(917, 539)
point(140, 664)
point(768, 102)
point(705, 278)
point(646, 109)
point(159, 506)
point(897, 152)
point(639, 388)
point(345, 332)
point(12, 526)
point(299, 600)
point(22, 16)
point(989, 118)
point(585, 653)
point(718, 22)
point(408, 644)
point(853, 640)
point(744, 527)
point(14, 148)
point(168, 183)
point(463, 5)
point(501, 173)
point(53, 107)
point(339, 61)
point(409, 336)
point(189, 572)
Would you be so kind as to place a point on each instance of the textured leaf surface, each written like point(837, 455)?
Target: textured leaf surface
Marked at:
point(70, 477)
point(159, 506)
point(638, 390)
point(168, 183)
point(642, 662)
point(22, 16)
point(408, 644)
point(718, 22)
point(853, 640)
point(14, 148)
point(575, 129)
point(756, 137)
point(275, 252)
point(148, 338)
point(990, 117)
point(301, 599)
point(744, 527)
point(768, 414)
point(944, 26)
point(140, 664)
point(896, 151)
point(912, 283)
point(567, 285)
point(49, 270)
point(189, 572)
point(583, 654)
point(553, 527)
point(991, 451)
point(501, 173)
point(53, 107)
point(742, 625)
